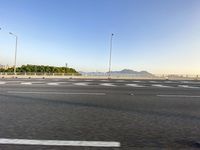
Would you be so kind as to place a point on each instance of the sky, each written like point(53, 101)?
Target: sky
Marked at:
point(159, 36)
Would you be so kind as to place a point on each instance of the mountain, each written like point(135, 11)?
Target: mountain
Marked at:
point(124, 72)
point(128, 72)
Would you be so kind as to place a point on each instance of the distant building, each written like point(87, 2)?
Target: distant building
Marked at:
point(4, 66)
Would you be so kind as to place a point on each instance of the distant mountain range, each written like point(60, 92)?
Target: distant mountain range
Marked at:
point(124, 72)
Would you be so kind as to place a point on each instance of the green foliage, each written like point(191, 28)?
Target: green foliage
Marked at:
point(41, 69)
point(7, 70)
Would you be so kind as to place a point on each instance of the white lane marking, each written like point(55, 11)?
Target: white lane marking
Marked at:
point(192, 82)
point(185, 82)
point(187, 96)
point(135, 85)
point(56, 93)
point(168, 82)
point(2, 82)
point(38, 82)
point(187, 86)
point(162, 86)
point(81, 84)
point(60, 143)
point(107, 84)
point(153, 81)
point(26, 83)
point(120, 81)
point(52, 83)
point(137, 81)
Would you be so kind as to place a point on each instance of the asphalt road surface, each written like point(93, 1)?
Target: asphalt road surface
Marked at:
point(99, 114)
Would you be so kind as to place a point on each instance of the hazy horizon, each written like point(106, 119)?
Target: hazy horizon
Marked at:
point(161, 37)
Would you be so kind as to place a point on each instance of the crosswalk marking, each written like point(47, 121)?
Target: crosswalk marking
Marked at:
point(2, 82)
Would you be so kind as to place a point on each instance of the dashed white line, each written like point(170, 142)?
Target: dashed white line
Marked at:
point(162, 86)
point(26, 83)
point(182, 96)
point(2, 82)
point(153, 81)
point(187, 86)
point(137, 81)
point(53, 93)
point(168, 82)
point(120, 80)
point(53, 83)
point(81, 84)
point(60, 143)
point(107, 84)
point(185, 82)
point(38, 82)
point(135, 85)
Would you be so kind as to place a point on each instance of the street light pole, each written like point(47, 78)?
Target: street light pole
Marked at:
point(109, 70)
point(15, 61)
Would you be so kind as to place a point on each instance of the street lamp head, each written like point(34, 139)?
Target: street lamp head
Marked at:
point(13, 34)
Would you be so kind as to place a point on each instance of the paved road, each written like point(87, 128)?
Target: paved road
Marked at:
point(137, 114)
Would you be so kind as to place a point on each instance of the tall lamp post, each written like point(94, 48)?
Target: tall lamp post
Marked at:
point(15, 61)
point(109, 70)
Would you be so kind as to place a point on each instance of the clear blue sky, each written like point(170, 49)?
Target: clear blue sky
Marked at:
point(160, 36)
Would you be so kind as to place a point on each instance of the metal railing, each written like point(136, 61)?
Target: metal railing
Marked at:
point(103, 76)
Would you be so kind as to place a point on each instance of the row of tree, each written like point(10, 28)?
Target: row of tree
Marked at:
point(40, 68)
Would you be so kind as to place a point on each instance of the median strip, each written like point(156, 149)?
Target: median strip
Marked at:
point(59, 143)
